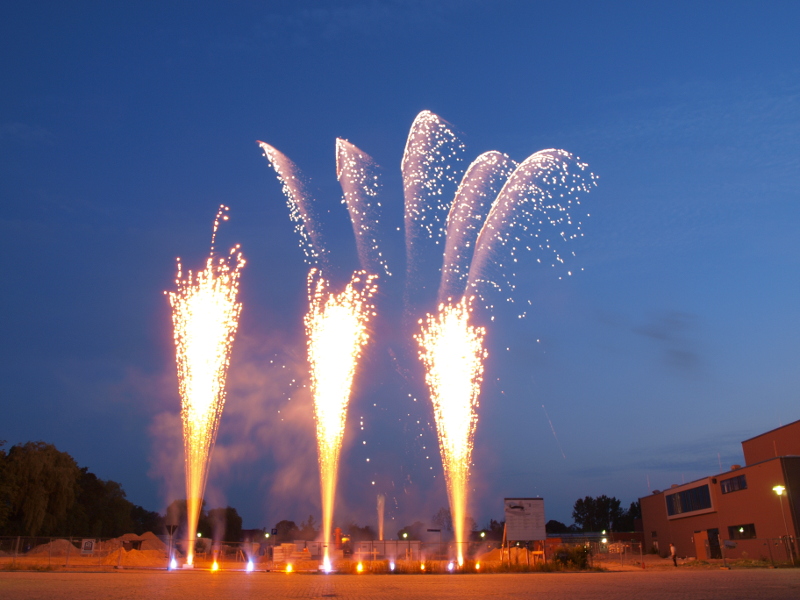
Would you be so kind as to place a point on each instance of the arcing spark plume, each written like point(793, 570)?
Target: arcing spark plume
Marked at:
point(534, 209)
point(430, 169)
point(478, 188)
point(300, 203)
point(359, 177)
point(205, 316)
point(336, 326)
point(453, 353)
point(499, 209)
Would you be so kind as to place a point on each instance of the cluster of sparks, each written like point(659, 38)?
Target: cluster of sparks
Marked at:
point(205, 316)
point(336, 328)
point(453, 354)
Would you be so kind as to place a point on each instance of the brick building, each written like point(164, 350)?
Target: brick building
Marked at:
point(737, 512)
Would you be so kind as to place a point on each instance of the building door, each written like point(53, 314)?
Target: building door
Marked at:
point(713, 543)
point(702, 551)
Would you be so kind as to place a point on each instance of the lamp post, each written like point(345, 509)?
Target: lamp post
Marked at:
point(779, 489)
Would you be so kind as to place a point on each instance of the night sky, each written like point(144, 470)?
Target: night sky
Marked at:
point(123, 126)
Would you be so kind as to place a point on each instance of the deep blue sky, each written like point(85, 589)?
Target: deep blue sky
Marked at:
point(123, 126)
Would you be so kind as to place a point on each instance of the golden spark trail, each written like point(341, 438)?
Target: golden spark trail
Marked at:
point(453, 354)
point(205, 315)
point(336, 326)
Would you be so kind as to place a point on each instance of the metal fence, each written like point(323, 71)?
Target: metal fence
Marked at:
point(156, 552)
point(774, 551)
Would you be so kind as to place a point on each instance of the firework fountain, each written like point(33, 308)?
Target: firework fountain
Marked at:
point(453, 354)
point(381, 512)
point(205, 315)
point(499, 209)
point(495, 211)
point(336, 323)
point(336, 327)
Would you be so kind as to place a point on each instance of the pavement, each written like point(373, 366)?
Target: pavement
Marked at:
point(683, 584)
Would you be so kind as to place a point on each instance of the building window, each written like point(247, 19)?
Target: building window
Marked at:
point(742, 532)
point(734, 484)
point(655, 534)
point(690, 500)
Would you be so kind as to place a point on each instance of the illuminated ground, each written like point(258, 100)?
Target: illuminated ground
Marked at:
point(765, 584)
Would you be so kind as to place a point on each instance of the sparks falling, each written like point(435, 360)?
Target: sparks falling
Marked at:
point(336, 327)
point(359, 176)
point(205, 315)
point(453, 353)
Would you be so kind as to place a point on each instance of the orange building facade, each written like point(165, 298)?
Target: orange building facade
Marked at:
point(737, 513)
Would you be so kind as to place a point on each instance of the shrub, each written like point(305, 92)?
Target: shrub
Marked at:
point(575, 557)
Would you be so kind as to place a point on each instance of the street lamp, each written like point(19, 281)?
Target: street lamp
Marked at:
point(779, 489)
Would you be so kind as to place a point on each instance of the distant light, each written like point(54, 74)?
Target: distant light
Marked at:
point(741, 529)
point(266, 535)
point(250, 566)
point(405, 535)
point(359, 567)
point(604, 540)
point(326, 565)
point(422, 567)
point(603, 532)
point(477, 566)
point(214, 566)
point(289, 568)
point(173, 564)
point(199, 534)
point(779, 489)
point(450, 566)
point(391, 566)
point(483, 534)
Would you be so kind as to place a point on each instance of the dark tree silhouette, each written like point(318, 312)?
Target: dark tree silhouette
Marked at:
point(597, 514)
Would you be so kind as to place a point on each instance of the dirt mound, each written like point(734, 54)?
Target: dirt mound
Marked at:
point(148, 541)
point(136, 558)
point(54, 548)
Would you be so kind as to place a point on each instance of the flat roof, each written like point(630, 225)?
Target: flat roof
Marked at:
point(683, 486)
point(772, 431)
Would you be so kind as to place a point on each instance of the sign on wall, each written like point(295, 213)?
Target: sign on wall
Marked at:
point(524, 519)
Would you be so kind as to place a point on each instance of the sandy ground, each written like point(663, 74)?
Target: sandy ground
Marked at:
point(685, 584)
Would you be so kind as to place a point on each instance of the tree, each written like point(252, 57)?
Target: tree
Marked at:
point(443, 519)
point(146, 520)
point(43, 491)
point(6, 487)
point(494, 530)
point(553, 526)
point(628, 520)
point(359, 534)
point(100, 510)
point(596, 514)
point(43, 488)
point(287, 531)
point(226, 524)
point(414, 531)
point(308, 529)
